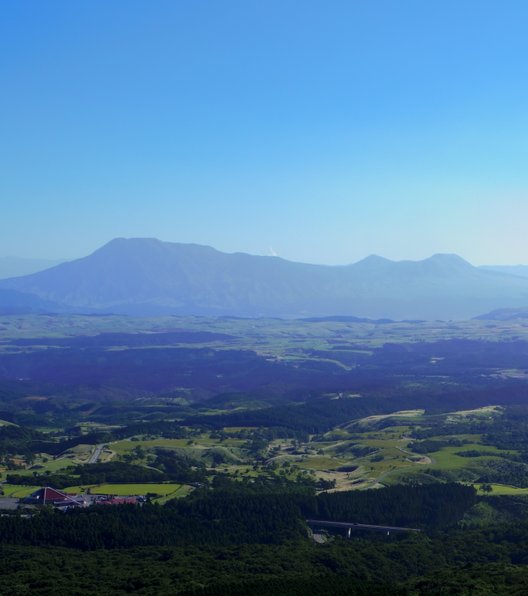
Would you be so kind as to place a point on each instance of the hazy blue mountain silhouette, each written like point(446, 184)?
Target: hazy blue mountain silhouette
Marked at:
point(505, 314)
point(147, 277)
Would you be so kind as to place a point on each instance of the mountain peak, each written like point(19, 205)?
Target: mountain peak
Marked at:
point(373, 261)
point(136, 246)
point(448, 263)
point(444, 257)
point(148, 276)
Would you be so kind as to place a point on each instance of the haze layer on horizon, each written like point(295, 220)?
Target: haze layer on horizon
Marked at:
point(318, 131)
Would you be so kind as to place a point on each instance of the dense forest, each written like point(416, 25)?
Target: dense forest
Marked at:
point(255, 539)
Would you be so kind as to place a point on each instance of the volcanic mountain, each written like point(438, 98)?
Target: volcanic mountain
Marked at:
point(144, 276)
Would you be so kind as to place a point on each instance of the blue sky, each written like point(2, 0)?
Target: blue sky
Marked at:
point(322, 131)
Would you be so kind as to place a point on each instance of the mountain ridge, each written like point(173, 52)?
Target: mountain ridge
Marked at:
point(148, 276)
point(11, 266)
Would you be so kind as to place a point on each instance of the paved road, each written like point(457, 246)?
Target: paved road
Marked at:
point(354, 526)
point(94, 458)
point(8, 503)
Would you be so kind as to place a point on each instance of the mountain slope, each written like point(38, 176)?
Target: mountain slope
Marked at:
point(520, 270)
point(22, 303)
point(15, 266)
point(505, 314)
point(147, 276)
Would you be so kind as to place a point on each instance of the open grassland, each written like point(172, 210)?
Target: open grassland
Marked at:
point(320, 463)
point(500, 489)
point(447, 458)
point(485, 412)
point(46, 463)
point(127, 445)
point(413, 414)
point(363, 453)
point(196, 443)
point(164, 491)
point(122, 490)
point(17, 491)
point(361, 462)
point(364, 456)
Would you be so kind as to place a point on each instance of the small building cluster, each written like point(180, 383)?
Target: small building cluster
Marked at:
point(111, 500)
point(55, 498)
point(51, 497)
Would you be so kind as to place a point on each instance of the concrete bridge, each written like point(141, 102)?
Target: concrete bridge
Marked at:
point(349, 526)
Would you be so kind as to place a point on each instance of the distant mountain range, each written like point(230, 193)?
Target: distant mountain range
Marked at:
point(143, 276)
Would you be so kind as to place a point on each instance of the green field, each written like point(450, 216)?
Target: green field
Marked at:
point(125, 446)
point(123, 490)
point(447, 459)
point(321, 463)
point(17, 491)
point(53, 465)
point(137, 489)
point(501, 489)
point(165, 491)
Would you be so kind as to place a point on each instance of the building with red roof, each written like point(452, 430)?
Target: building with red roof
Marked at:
point(51, 496)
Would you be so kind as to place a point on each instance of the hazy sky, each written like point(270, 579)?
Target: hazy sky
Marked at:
point(321, 130)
